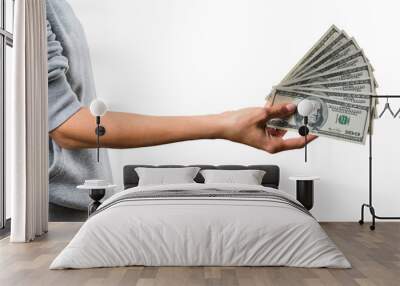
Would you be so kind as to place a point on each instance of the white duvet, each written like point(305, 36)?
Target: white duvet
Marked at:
point(200, 231)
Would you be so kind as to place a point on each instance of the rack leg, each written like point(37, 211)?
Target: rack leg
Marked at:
point(374, 216)
point(372, 210)
point(361, 221)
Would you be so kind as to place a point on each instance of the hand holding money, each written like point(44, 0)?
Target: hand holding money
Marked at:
point(247, 126)
point(338, 78)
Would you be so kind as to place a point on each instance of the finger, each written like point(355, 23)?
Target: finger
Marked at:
point(280, 110)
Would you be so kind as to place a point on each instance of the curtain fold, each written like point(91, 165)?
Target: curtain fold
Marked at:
point(28, 157)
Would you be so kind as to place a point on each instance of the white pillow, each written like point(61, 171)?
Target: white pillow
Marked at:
point(248, 177)
point(163, 176)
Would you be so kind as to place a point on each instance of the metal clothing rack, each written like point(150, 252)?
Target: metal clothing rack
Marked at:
point(370, 204)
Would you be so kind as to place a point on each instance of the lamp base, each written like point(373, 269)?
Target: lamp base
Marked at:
point(96, 195)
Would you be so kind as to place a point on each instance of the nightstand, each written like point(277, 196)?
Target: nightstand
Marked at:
point(305, 190)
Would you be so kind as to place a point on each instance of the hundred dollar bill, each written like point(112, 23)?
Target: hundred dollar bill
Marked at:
point(372, 68)
point(353, 73)
point(345, 49)
point(334, 119)
point(365, 86)
point(353, 60)
point(362, 85)
point(331, 46)
point(326, 39)
point(356, 97)
point(357, 57)
point(347, 97)
point(347, 55)
point(332, 35)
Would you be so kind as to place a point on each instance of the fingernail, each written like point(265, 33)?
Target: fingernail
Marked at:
point(291, 107)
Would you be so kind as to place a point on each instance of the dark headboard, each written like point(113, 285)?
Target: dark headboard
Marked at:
point(271, 177)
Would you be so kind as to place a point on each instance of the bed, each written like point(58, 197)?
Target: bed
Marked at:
point(201, 224)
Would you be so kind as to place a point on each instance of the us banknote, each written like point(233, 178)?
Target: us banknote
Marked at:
point(352, 73)
point(332, 46)
point(337, 76)
point(325, 40)
point(345, 49)
point(332, 118)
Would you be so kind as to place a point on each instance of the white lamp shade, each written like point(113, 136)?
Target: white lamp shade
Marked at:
point(305, 107)
point(98, 107)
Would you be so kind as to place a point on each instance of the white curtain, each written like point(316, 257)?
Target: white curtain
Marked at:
point(28, 147)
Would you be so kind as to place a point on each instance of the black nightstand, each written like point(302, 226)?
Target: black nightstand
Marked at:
point(305, 190)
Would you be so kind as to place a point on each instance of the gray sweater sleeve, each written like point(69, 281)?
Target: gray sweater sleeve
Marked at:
point(63, 102)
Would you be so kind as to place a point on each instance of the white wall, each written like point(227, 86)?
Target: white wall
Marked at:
point(196, 57)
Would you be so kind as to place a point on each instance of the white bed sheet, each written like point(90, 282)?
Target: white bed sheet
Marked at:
point(200, 231)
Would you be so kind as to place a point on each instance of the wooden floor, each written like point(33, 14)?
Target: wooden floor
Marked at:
point(375, 257)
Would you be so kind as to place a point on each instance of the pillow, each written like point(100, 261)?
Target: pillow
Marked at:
point(163, 176)
point(248, 177)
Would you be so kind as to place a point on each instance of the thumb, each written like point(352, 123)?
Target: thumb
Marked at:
point(280, 110)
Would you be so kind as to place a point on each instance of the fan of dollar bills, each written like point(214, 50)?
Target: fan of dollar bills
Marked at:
point(338, 78)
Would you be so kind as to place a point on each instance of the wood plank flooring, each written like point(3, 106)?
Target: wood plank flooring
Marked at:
point(375, 257)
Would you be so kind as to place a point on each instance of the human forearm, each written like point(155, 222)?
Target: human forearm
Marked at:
point(127, 130)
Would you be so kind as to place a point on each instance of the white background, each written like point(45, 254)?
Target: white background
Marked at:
point(196, 57)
